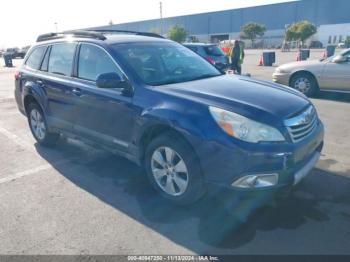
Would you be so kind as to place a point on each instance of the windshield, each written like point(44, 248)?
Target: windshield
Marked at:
point(342, 53)
point(213, 50)
point(165, 63)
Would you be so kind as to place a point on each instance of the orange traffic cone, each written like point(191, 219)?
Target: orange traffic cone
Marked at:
point(261, 61)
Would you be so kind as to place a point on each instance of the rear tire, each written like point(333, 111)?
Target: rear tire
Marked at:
point(304, 83)
point(39, 128)
point(173, 169)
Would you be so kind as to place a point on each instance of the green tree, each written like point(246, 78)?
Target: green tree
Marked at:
point(300, 31)
point(252, 31)
point(177, 33)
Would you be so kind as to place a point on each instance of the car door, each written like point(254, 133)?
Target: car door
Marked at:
point(105, 115)
point(62, 107)
point(337, 75)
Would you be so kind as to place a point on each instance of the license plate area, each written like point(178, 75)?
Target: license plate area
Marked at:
point(307, 150)
point(305, 170)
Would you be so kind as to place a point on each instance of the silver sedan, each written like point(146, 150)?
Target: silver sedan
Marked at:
point(308, 77)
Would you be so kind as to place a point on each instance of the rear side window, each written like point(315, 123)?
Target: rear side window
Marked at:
point(93, 61)
point(213, 50)
point(45, 63)
point(34, 59)
point(61, 59)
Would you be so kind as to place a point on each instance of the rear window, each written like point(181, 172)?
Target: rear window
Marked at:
point(61, 59)
point(34, 59)
point(193, 48)
point(213, 50)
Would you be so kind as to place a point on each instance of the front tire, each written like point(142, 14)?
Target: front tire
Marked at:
point(174, 170)
point(304, 83)
point(39, 128)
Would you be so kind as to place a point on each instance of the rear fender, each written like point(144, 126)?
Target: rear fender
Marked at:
point(32, 89)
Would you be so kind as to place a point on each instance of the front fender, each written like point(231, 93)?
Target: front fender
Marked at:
point(187, 122)
point(315, 70)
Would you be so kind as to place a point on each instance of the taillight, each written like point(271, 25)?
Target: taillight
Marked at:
point(17, 75)
point(211, 60)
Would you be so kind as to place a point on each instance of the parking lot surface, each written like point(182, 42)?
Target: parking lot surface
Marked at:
point(74, 199)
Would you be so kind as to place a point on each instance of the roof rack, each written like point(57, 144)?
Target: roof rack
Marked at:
point(92, 33)
point(76, 33)
point(111, 31)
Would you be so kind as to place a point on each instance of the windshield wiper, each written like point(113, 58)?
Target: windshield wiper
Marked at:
point(203, 77)
point(169, 82)
point(182, 80)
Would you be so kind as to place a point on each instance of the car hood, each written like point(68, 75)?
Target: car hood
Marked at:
point(301, 65)
point(241, 95)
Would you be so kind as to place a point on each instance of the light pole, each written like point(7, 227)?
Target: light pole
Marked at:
point(161, 17)
point(285, 46)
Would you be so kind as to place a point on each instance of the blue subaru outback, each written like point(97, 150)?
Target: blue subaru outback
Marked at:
point(167, 109)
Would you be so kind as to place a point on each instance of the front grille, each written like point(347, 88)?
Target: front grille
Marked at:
point(302, 125)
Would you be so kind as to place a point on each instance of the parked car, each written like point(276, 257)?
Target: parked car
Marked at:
point(308, 77)
point(212, 53)
point(16, 52)
point(341, 45)
point(165, 108)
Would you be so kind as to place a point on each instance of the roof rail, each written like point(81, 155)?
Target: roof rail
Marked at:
point(96, 34)
point(111, 31)
point(76, 33)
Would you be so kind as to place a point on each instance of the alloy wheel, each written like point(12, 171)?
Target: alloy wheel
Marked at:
point(37, 124)
point(302, 84)
point(169, 171)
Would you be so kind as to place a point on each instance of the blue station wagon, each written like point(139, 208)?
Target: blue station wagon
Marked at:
point(162, 106)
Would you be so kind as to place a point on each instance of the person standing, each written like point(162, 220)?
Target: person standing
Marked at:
point(237, 57)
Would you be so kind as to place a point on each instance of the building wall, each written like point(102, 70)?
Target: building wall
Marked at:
point(333, 34)
point(275, 17)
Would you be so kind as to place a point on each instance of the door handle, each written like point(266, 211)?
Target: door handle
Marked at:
point(77, 91)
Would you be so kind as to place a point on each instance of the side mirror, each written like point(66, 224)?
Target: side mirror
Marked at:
point(339, 59)
point(113, 80)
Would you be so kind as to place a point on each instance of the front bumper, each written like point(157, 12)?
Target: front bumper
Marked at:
point(281, 78)
point(291, 162)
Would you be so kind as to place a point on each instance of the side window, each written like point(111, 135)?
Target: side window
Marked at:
point(61, 58)
point(34, 59)
point(93, 61)
point(45, 64)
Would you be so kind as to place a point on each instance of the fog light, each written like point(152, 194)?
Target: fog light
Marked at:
point(256, 181)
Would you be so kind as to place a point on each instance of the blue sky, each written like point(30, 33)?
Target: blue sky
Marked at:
point(34, 17)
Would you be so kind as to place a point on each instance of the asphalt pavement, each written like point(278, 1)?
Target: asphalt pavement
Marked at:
point(74, 199)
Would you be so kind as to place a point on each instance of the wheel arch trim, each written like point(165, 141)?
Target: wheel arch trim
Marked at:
point(303, 71)
point(32, 92)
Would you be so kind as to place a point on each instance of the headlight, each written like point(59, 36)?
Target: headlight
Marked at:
point(280, 70)
point(244, 128)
